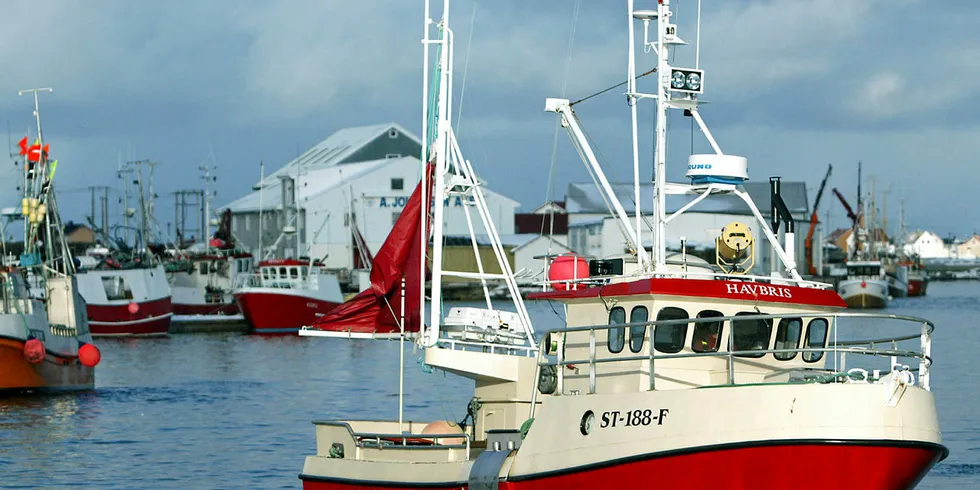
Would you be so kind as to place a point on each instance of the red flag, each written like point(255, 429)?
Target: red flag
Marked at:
point(34, 152)
point(23, 145)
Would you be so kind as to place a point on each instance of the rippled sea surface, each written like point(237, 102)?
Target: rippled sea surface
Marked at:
point(215, 411)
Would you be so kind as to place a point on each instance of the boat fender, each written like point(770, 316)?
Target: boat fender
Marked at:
point(337, 450)
point(525, 427)
point(33, 351)
point(89, 355)
point(548, 380)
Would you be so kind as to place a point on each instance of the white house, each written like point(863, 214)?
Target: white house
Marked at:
point(926, 245)
point(361, 175)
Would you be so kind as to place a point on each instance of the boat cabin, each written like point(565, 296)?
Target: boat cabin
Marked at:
point(287, 274)
point(864, 268)
point(767, 328)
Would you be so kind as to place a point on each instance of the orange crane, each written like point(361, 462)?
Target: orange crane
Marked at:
point(808, 244)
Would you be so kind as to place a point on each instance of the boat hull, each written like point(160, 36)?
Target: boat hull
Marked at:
point(917, 287)
point(275, 312)
point(859, 293)
point(151, 318)
point(897, 465)
point(53, 374)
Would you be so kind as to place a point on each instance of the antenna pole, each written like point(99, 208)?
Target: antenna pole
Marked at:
point(660, 157)
point(261, 191)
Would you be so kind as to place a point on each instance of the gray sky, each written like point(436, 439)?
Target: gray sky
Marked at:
point(793, 84)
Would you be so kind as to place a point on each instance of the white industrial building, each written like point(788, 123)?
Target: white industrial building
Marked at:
point(593, 232)
point(365, 173)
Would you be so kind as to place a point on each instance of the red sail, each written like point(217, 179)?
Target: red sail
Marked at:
point(377, 309)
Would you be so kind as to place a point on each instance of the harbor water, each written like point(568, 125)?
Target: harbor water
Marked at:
point(215, 411)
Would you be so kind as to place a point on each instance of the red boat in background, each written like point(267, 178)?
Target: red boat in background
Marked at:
point(284, 295)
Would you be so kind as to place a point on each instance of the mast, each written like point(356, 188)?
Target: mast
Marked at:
point(261, 191)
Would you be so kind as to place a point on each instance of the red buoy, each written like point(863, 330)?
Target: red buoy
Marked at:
point(89, 355)
point(33, 351)
point(133, 308)
point(864, 284)
point(567, 268)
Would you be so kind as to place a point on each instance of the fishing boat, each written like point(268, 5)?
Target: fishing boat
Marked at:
point(667, 374)
point(283, 295)
point(45, 345)
point(918, 280)
point(203, 277)
point(866, 285)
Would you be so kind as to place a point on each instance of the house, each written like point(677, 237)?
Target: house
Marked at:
point(969, 249)
point(926, 245)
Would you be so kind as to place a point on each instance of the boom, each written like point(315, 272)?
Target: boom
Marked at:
point(808, 244)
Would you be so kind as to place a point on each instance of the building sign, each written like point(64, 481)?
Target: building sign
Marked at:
point(400, 201)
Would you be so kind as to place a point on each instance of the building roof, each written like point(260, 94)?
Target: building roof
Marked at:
point(336, 148)
point(585, 198)
point(312, 184)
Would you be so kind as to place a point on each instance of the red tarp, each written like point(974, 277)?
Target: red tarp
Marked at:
point(378, 308)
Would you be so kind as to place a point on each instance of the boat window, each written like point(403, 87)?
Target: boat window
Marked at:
point(202, 268)
point(638, 332)
point(816, 336)
point(116, 288)
point(616, 337)
point(864, 270)
point(293, 272)
point(751, 335)
point(670, 338)
point(788, 337)
point(707, 334)
point(302, 272)
point(282, 272)
point(265, 273)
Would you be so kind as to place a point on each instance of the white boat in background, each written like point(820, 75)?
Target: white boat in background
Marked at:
point(664, 376)
point(125, 300)
point(897, 275)
point(866, 285)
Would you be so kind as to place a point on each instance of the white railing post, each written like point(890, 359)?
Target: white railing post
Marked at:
point(591, 361)
point(652, 329)
point(926, 359)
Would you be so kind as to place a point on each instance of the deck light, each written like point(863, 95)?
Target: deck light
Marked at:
point(686, 80)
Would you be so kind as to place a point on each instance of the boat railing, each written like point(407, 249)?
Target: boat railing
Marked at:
point(403, 441)
point(487, 347)
point(835, 347)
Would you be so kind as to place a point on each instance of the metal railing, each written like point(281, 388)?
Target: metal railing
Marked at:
point(835, 348)
point(379, 440)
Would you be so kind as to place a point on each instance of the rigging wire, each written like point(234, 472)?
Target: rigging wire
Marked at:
point(549, 193)
point(613, 87)
point(466, 66)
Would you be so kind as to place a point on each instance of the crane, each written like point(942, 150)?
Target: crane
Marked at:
point(808, 244)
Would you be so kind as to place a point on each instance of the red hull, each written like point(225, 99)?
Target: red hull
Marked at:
point(151, 318)
point(206, 309)
point(917, 287)
point(773, 467)
point(271, 313)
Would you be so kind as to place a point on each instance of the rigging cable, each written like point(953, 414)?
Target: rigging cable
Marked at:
point(466, 66)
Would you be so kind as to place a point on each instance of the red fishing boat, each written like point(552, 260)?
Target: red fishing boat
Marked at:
point(284, 295)
point(670, 371)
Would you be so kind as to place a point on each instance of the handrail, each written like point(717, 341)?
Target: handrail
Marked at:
point(360, 438)
point(604, 280)
point(837, 348)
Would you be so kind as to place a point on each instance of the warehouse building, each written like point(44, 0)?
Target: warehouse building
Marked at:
point(361, 176)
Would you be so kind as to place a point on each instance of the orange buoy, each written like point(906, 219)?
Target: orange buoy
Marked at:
point(89, 355)
point(33, 351)
point(133, 308)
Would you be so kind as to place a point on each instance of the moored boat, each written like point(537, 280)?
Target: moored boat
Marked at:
point(866, 286)
point(673, 375)
point(45, 344)
point(283, 295)
point(128, 301)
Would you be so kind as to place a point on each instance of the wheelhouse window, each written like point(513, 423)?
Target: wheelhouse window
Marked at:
point(616, 337)
point(639, 314)
point(751, 335)
point(707, 334)
point(116, 288)
point(788, 337)
point(397, 184)
point(816, 336)
point(293, 272)
point(202, 268)
point(864, 270)
point(670, 338)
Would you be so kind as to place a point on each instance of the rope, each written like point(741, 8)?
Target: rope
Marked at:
point(610, 88)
